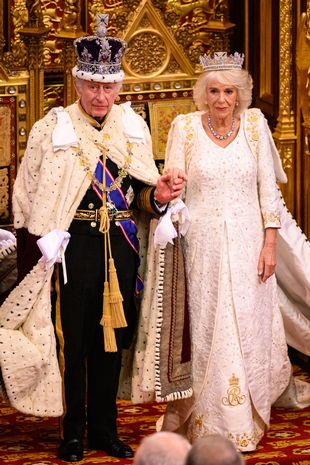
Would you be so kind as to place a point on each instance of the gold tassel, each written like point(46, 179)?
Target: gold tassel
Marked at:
point(108, 330)
point(104, 220)
point(118, 319)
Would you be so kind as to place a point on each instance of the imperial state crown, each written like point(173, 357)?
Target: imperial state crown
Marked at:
point(99, 56)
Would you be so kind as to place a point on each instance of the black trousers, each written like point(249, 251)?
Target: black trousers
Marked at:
point(91, 375)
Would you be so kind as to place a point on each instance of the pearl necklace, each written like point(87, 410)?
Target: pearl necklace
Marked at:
point(221, 136)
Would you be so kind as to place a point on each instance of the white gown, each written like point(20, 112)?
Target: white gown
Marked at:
point(239, 350)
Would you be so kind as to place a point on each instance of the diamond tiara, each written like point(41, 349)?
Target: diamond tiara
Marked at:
point(221, 61)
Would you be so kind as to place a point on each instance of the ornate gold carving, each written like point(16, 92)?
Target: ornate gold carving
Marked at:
point(145, 22)
point(189, 36)
point(284, 134)
point(35, 16)
point(173, 67)
point(140, 61)
point(195, 25)
point(211, 10)
point(140, 109)
point(287, 152)
point(286, 120)
point(286, 148)
point(303, 65)
point(71, 16)
point(52, 53)
point(53, 97)
point(69, 29)
point(234, 396)
point(34, 36)
point(159, 48)
point(17, 56)
point(119, 12)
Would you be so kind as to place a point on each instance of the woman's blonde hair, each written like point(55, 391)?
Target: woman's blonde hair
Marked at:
point(238, 78)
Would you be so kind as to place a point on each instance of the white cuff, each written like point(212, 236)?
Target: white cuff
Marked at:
point(165, 231)
point(161, 207)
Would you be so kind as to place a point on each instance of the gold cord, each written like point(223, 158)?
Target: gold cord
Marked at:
point(113, 312)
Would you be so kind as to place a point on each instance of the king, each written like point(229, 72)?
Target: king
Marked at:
point(94, 159)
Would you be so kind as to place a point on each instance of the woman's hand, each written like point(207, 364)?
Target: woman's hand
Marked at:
point(170, 185)
point(267, 258)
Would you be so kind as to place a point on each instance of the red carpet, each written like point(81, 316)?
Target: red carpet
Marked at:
point(26, 440)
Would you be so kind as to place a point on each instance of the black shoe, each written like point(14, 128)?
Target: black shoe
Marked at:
point(71, 451)
point(112, 446)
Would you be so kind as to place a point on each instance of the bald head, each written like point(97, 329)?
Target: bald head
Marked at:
point(214, 450)
point(163, 448)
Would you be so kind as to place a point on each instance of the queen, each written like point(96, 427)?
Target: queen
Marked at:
point(240, 363)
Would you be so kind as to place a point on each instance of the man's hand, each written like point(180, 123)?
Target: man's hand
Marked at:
point(170, 185)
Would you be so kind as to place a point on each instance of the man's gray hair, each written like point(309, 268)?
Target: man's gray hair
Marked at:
point(162, 448)
point(79, 83)
point(214, 450)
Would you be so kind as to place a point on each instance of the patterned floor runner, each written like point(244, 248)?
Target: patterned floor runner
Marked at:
point(27, 440)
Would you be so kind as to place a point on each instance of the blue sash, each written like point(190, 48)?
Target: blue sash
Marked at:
point(128, 227)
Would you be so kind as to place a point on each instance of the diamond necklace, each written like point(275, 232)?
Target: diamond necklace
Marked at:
point(221, 136)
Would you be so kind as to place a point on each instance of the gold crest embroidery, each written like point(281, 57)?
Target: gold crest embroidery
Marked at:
point(242, 440)
point(199, 421)
point(234, 396)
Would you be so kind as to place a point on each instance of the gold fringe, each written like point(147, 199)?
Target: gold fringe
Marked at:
point(108, 330)
point(118, 319)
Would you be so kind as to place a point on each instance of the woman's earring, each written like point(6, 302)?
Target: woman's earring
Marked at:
point(237, 104)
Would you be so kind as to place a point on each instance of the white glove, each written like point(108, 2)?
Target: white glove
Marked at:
point(7, 239)
point(165, 231)
point(53, 246)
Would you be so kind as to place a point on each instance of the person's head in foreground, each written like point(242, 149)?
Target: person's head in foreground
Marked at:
point(162, 448)
point(214, 450)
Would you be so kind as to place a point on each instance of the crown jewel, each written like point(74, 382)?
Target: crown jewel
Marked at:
point(99, 56)
point(221, 61)
point(102, 24)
